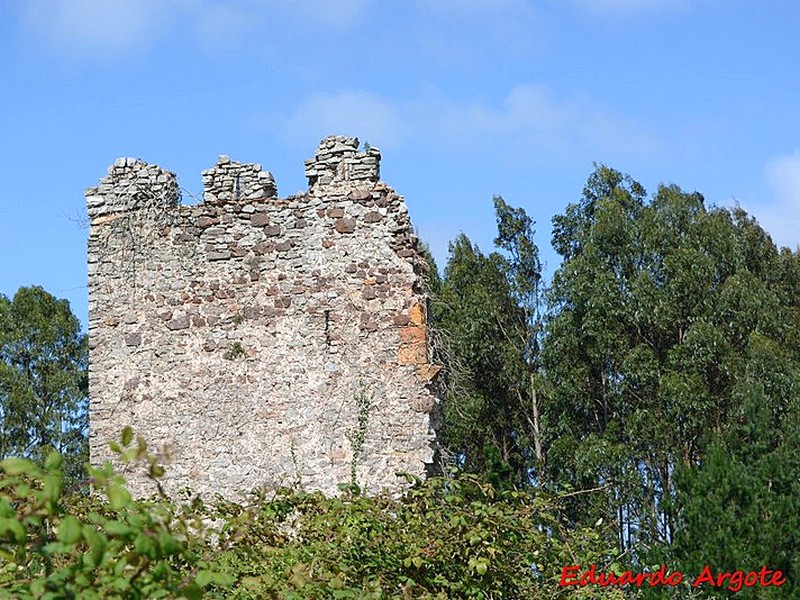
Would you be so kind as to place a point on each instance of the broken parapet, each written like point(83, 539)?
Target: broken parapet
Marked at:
point(132, 185)
point(263, 341)
point(230, 180)
point(339, 161)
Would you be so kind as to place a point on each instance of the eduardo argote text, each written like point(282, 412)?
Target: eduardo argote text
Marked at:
point(733, 581)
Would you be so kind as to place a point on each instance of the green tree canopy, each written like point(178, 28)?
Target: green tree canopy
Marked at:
point(488, 314)
point(43, 378)
point(656, 316)
point(655, 385)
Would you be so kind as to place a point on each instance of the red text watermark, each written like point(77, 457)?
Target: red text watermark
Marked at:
point(733, 581)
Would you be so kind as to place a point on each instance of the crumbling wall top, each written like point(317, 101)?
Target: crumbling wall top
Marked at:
point(229, 180)
point(338, 161)
point(132, 184)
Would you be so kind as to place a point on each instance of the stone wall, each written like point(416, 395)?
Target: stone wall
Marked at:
point(262, 341)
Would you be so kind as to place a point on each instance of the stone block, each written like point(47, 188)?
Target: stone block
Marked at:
point(345, 225)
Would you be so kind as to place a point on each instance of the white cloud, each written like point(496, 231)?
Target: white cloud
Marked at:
point(109, 28)
point(464, 33)
point(783, 174)
point(617, 8)
point(364, 114)
point(219, 24)
point(533, 117)
point(530, 117)
point(333, 13)
point(88, 26)
point(471, 7)
point(782, 216)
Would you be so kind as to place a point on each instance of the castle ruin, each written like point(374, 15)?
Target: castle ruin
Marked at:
point(262, 341)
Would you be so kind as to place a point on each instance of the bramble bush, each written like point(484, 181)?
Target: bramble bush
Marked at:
point(455, 537)
point(57, 543)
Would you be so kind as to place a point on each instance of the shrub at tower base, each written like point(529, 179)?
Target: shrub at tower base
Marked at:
point(446, 538)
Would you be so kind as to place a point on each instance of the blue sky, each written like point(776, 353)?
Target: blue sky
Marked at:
point(465, 98)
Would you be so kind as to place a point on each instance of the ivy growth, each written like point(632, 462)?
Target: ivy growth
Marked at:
point(359, 434)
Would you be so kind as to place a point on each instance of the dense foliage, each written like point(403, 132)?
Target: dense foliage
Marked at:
point(446, 538)
point(487, 312)
point(43, 379)
point(664, 382)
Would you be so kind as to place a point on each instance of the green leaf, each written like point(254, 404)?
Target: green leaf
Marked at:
point(130, 455)
point(127, 436)
point(53, 461)
point(58, 548)
point(38, 587)
point(69, 531)
point(145, 545)
point(52, 487)
point(169, 545)
point(117, 528)
point(193, 592)
point(19, 466)
point(118, 497)
point(120, 566)
point(204, 577)
point(6, 510)
point(136, 521)
point(223, 579)
point(13, 527)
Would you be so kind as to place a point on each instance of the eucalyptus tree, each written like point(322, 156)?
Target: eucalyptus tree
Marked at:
point(477, 319)
point(523, 272)
point(488, 313)
point(43, 379)
point(653, 314)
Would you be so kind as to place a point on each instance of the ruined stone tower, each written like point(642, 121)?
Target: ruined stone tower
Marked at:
point(263, 341)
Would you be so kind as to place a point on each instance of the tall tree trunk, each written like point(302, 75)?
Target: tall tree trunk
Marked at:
point(537, 435)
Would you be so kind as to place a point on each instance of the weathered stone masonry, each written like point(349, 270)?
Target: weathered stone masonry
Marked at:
point(264, 341)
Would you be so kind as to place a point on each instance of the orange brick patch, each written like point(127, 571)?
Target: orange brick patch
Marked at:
point(414, 339)
point(412, 355)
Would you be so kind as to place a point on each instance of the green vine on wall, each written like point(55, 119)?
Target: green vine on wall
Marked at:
point(129, 237)
point(359, 434)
